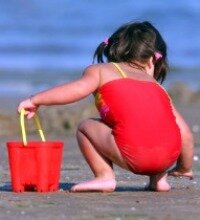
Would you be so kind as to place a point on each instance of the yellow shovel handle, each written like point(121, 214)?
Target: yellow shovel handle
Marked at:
point(38, 125)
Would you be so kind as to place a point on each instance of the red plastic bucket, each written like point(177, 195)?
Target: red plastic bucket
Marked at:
point(34, 165)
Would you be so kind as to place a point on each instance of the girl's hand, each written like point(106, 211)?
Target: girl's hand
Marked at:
point(29, 107)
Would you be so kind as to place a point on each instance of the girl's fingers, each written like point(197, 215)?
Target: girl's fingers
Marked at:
point(27, 105)
point(30, 115)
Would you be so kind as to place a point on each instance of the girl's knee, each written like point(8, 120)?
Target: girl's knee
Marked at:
point(84, 125)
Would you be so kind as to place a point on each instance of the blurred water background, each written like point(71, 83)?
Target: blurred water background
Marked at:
point(47, 42)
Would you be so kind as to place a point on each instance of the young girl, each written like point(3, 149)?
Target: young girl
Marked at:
point(139, 129)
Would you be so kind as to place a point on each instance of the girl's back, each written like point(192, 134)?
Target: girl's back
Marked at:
point(140, 113)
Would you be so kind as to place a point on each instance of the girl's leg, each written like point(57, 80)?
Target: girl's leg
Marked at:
point(159, 183)
point(98, 146)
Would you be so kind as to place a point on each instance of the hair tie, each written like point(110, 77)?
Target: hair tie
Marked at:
point(158, 55)
point(106, 41)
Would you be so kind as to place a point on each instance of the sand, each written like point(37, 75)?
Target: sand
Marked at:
point(129, 201)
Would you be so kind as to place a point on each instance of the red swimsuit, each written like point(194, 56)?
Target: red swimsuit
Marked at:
point(143, 124)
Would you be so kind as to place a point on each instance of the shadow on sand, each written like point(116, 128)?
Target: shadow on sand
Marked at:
point(7, 187)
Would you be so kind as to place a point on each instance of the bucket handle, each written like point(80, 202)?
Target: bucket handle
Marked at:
point(38, 125)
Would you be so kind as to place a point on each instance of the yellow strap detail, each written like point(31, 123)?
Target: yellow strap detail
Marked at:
point(38, 125)
point(23, 127)
point(123, 74)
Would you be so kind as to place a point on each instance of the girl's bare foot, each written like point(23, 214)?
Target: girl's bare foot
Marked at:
point(159, 183)
point(180, 173)
point(96, 185)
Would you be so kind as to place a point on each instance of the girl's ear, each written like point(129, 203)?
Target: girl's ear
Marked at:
point(150, 63)
point(150, 66)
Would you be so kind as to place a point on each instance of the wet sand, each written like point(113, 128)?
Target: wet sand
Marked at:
point(129, 201)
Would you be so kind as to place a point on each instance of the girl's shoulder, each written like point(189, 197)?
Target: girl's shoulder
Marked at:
point(96, 67)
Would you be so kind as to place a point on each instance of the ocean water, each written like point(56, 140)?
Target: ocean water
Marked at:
point(47, 42)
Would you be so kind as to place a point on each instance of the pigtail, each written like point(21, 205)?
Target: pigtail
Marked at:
point(99, 53)
point(161, 69)
point(161, 65)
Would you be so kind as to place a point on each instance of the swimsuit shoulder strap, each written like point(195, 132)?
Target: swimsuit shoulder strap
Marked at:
point(123, 74)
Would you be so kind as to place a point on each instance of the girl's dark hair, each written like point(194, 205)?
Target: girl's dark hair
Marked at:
point(135, 41)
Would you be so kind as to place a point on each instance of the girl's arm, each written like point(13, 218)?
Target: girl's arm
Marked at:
point(64, 94)
point(185, 160)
